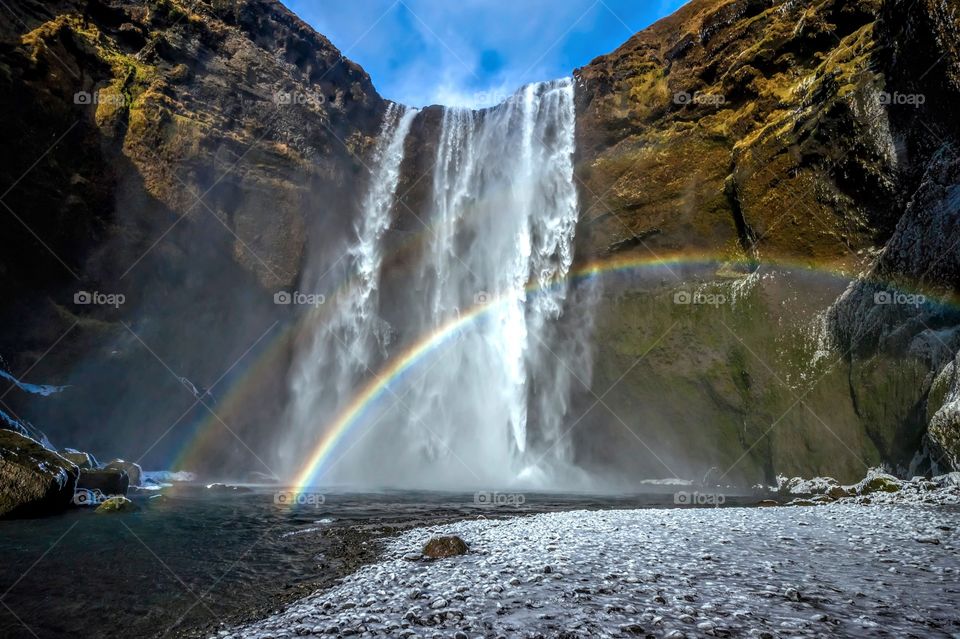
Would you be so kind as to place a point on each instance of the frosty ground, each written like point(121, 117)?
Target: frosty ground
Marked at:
point(832, 570)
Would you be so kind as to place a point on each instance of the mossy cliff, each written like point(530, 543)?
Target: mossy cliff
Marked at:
point(747, 131)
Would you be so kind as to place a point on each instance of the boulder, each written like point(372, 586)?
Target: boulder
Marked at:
point(132, 469)
point(837, 492)
point(81, 459)
point(876, 481)
point(440, 547)
point(108, 481)
point(798, 486)
point(34, 480)
point(117, 504)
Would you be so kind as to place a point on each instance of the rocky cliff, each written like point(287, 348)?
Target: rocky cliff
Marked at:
point(815, 136)
point(183, 155)
point(176, 156)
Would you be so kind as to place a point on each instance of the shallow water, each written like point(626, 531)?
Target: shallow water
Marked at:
point(194, 559)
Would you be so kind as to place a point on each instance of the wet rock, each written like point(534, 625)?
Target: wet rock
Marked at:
point(103, 481)
point(81, 459)
point(877, 481)
point(837, 492)
point(117, 504)
point(34, 480)
point(441, 547)
point(132, 469)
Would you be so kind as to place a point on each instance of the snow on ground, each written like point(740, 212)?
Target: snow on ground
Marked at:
point(834, 570)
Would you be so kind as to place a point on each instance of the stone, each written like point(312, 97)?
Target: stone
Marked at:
point(81, 459)
point(108, 481)
point(133, 470)
point(34, 480)
point(441, 547)
point(117, 504)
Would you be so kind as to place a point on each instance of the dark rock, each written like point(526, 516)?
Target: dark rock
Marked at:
point(877, 481)
point(33, 480)
point(133, 470)
point(837, 492)
point(109, 481)
point(81, 459)
point(440, 547)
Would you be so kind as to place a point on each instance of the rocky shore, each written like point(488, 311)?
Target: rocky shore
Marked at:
point(37, 480)
point(840, 570)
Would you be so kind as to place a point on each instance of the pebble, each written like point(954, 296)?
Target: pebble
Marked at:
point(645, 572)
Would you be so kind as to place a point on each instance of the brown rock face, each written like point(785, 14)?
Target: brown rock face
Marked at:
point(180, 155)
point(740, 126)
point(33, 480)
point(810, 133)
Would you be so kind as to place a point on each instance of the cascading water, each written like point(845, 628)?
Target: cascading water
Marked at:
point(343, 341)
point(487, 408)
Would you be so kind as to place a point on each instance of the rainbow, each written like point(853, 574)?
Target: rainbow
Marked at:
point(352, 414)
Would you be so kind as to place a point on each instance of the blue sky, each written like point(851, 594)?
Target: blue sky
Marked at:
point(474, 52)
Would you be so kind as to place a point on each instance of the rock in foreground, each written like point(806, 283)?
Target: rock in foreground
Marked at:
point(132, 469)
point(78, 457)
point(33, 480)
point(117, 504)
point(440, 547)
point(109, 481)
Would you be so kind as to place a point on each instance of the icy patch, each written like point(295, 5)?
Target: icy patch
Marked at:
point(837, 570)
point(36, 389)
point(167, 476)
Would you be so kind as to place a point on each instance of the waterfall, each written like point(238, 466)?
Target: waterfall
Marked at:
point(489, 405)
point(346, 331)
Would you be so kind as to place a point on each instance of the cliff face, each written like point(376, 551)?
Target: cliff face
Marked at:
point(810, 133)
point(185, 154)
point(180, 154)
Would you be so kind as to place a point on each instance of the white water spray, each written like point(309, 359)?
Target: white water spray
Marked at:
point(344, 341)
point(488, 408)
